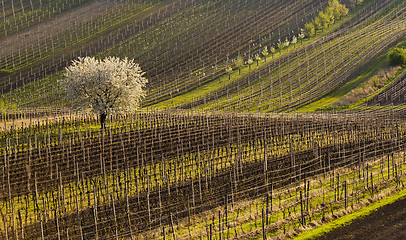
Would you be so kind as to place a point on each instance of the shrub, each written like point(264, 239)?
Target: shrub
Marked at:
point(397, 57)
point(309, 29)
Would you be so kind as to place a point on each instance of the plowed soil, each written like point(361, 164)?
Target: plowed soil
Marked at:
point(387, 223)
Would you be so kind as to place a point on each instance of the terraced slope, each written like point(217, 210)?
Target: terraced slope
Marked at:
point(86, 36)
point(320, 67)
point(172, 40)
point(185, 46)
point(196, 44)
point(20, 15)
point(32, 35)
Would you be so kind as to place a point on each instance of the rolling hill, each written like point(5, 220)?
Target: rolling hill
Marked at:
point(239, 136)
point(185, 47)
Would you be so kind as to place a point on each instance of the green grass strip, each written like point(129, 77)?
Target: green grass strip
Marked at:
point(347, 219)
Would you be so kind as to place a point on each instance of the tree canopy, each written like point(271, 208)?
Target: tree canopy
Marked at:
point(397, 57)
point(105, 86)
point(308, 29)
point(334, 10)
point(239, 63)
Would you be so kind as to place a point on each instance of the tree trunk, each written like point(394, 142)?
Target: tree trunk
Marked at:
point(103, 117)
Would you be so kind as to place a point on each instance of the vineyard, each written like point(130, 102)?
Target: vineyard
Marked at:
point(152, 33)
point(239, 136)
point(394, 94)
point(195, 175)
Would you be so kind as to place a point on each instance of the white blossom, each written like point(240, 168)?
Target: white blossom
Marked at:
point(286, 43)
point(257, 57)
point(294, 39)
point(105, 86)
point(301, 34)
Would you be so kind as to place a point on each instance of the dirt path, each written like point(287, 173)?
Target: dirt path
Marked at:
point(53, 26)
point(387, 223)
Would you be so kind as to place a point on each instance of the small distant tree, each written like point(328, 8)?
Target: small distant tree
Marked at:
point(324, 20)
point(286, 42)
point(301, 36)
point(105, 86)
point(249, 62)
point(280, 46)
point(343, 10)
point(317, 24)
point(294, 41)
point(265, 52)
point(273, 50)
point(257, 58)
point(330, 14)
point(397, 57)
point(309, 29)
point(229, 70)
point(239, 63)
point(333, 9)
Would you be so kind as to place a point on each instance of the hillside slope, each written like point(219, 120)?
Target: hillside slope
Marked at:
point(185, 47)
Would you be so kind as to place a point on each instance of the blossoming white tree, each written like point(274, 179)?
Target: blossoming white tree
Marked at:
point(106, 86)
